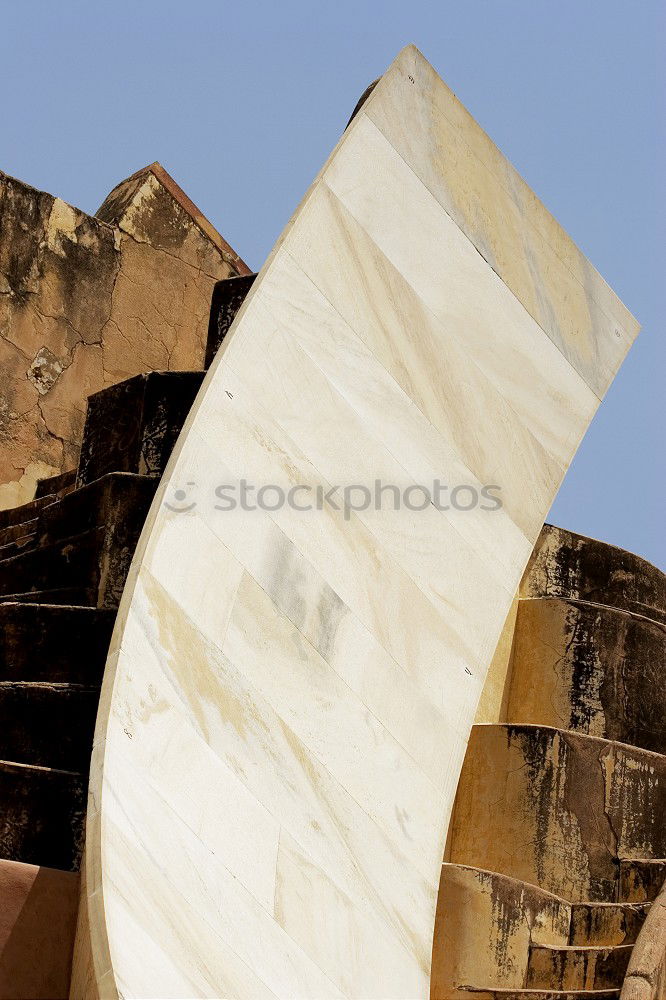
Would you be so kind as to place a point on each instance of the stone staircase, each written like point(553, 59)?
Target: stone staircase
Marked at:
point(558, 838)
point(64, 557)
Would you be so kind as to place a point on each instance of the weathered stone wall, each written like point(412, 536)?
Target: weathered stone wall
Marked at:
point(87, 301)
point(486, 923)
point(563, 789)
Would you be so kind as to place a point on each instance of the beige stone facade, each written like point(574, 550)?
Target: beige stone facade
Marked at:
point(86, 301)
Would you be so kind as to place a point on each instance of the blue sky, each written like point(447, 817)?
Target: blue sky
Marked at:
point(242, 103)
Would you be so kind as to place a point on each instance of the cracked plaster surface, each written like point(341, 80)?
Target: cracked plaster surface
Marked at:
point(86, 302)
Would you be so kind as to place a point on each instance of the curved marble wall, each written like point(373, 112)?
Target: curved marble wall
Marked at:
point(289, 694)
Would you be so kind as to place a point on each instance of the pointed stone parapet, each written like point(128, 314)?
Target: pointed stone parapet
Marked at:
point(86, 301)
point(152, 208)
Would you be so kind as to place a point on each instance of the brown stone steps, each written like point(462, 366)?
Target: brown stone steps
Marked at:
point(574, 567)
point(84, 542)
point(75, 563)
point(594, 924)
point(62, 596)
point(13, 516)
point(118, 501)
point(66, 558)
point(591, 669)
point(15, 533)
point(132, 426)
point(558, 809)
point(41, 815)
point(117, 497)
point(577, 968)
point(15, 547)
point(54, 643)
point(58, 485)
point(48, 724)
point(479, 993)
point(641, 879)
point(487, 923)
point(568, 796)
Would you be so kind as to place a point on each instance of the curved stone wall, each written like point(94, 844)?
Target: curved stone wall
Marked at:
point(590, 668)
point(564, 564)
point(289, 694)
point(564, 808)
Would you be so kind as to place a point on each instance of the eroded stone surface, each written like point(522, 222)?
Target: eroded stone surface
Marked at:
point(53, 643)
point(593, 669)
point(82, 543)
point(481, 994)
point(41, 821)
point(606, 923)
point(86, 302)
point(564, 808)
point(564, 564)
point(641, 879)
point(133, 426)
point(485, 925)
point(228, 297)
point(577, 968)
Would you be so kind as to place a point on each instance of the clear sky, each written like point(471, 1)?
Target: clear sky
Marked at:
point(242, 102)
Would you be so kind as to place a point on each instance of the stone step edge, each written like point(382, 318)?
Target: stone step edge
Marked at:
point(47, 686)
point(40, 598)
point(599, 740)
point(10, 517)
point(571, 948)
point(535, 994)
point(591, 903)
point(579, 602)
point(40, 768)
point(7, 602)
point(512, 879)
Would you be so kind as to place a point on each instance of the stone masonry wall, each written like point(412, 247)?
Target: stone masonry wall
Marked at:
point(88, 301)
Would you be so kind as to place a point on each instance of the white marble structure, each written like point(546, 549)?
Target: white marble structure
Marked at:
point(289, 694)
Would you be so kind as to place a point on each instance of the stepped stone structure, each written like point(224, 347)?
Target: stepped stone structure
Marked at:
point(559, 817)
point(392, 751)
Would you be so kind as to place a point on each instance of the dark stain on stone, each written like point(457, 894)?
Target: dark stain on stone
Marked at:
point(228, 297)
point(133, 426)
point(535, 745)
point(584, 799)
point(41, 821)
point(572, 566)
